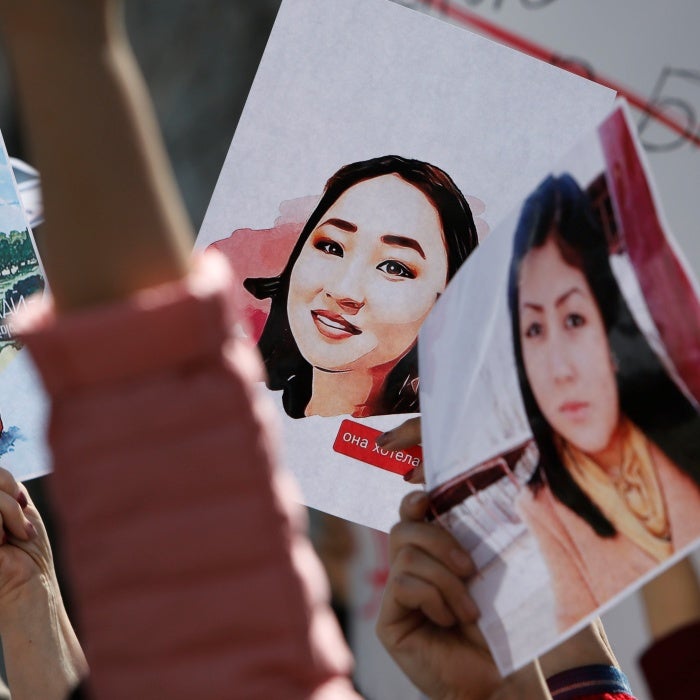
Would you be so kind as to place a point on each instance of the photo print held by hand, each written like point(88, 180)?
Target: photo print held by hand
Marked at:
point(579, 479)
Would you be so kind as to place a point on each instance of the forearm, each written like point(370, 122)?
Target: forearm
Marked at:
point(588, 647)
point(42, 656)
point(73, 650)
point(142, 439)
point(115, 223)
point(526, 684)
point(672, 599)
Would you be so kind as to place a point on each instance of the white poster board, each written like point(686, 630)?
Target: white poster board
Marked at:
point(343, 81)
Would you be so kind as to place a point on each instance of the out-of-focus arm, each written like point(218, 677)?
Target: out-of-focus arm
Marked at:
point(114, 220)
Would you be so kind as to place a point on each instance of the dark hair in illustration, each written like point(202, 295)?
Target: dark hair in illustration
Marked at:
point(560, 210)
point(286, 367)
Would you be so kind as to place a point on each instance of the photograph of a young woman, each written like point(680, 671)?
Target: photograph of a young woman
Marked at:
point(615, 491)
point(374, 256)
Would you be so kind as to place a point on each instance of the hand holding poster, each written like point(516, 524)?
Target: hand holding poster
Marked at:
point(375, 146)
point(580, 475)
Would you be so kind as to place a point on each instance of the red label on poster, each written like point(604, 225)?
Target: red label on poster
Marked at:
point(358, 441)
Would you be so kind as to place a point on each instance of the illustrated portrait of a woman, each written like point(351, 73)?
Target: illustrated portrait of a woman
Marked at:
point(615, 491)
point(370, 262)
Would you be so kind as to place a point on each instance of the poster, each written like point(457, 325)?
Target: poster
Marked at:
point(421, 136)
point(22, 403)
point(560, 393)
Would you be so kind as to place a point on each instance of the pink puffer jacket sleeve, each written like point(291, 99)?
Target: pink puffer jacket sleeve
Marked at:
point(184, 545)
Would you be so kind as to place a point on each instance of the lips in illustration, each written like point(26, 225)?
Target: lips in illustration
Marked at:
point(333, 326)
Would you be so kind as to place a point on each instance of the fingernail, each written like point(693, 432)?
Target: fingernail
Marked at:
point(415, 497)
point(409, 475)
point(469, 610)
point(31, 530)
point(462, 560)
point(22, 500)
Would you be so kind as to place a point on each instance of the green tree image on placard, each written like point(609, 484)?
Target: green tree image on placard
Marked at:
point(20, 277)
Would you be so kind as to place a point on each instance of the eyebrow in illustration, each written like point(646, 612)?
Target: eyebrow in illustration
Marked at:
point(403, 242)
point(341, 224)
point(389, 238)
point(558, 302)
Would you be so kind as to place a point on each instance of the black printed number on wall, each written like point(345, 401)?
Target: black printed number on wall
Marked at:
point(677, 95)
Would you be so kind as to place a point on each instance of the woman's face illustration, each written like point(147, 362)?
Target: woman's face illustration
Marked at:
point(565, 351)
point(367, 277)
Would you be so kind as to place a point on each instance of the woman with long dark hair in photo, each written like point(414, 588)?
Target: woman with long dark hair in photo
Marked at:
point(615, 491)
point(370, 262)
